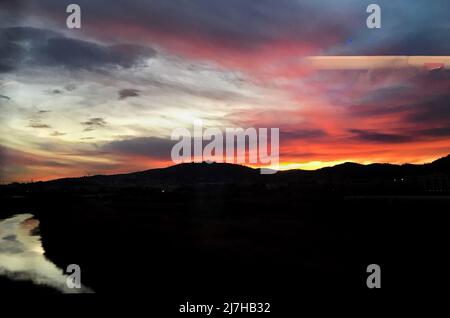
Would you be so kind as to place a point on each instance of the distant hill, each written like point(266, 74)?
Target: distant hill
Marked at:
point(440, 165)
point(178, 174)
point(224, 173)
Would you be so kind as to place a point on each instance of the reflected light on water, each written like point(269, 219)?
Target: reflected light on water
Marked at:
point(22, 255)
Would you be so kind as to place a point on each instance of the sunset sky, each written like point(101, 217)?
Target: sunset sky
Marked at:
point(104, 99)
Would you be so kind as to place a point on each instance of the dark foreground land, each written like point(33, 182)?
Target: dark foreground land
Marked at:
point(197, 229)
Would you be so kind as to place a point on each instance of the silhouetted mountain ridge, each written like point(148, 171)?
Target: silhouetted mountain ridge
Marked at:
point(225, 173)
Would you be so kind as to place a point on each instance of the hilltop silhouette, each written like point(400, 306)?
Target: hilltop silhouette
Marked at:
point(432, 176)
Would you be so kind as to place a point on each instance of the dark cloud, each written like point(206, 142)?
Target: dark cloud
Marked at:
point(10, 54)
point(421, 102)
point(428, 40)
point(4, 68)
point(433, 110)
point(385, 101)
point(419, 27)
point(81, 54)
point(387, 93)
point(13, 157)
point(37, 118)
point(12, 4)
point(377, 137)
point(128, 92)
point(405, 135)
point(5, 97)
point(16, 35)
point(302, 134)
point(94, 123)
point(153, 147)
point(408, 28)
point(10, 237)
point(18, 161)
point(436, 132)
point(38, 125)
point(243, 25)
point(18, 44)
point(25, 46)
point(383, 108)
point(12, 12)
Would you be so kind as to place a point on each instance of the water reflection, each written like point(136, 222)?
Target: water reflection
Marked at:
point(22, 255)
